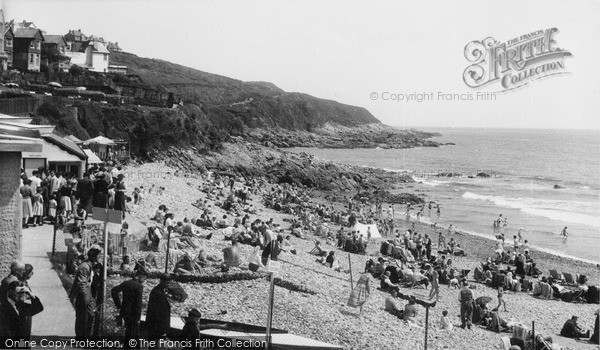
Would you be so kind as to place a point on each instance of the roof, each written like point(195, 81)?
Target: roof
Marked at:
point(66, 145)
point(73, 138)
point(77, 47)
point(28, 33)
point(54, 39)
point(100, 140)
point(113, 46)
point(92, 157)
point(99, 47)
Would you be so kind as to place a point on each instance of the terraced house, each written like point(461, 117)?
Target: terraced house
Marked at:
point(27, 50)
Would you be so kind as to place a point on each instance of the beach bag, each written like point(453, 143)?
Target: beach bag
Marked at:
point(254, 259)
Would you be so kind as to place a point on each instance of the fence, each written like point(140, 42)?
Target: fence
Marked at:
point(20, 105)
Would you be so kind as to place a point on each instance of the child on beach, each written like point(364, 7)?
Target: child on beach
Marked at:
point(445, 322)
point(501, 298)
point(52, 204)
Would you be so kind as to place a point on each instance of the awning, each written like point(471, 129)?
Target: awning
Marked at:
point(92, 157)
point(100, 140)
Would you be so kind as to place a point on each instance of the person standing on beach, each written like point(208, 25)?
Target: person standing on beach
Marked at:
point(81, 295)
point(435, 286)
point(501, 300)
point(466, 305)
point(564, 232)
point(130, 307)
point(519, 236)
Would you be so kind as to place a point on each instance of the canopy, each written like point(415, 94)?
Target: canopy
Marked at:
point(92, 157)
point(100, 140)
point(362, 230)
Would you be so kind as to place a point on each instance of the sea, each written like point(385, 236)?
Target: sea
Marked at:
point(539, 180)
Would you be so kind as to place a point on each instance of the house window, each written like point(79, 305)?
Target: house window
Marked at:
point(30, 58)
point(105, 57)
point(38, 45)
point(32, 45)
point(9, 42)
point(62, 49)
point(37, 60)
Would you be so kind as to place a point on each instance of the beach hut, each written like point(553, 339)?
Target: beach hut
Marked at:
point(58, 154)
point(362, 230)
point(13, 142)
point(100, 145)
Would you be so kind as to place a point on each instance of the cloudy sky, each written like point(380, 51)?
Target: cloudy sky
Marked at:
point(353, 51)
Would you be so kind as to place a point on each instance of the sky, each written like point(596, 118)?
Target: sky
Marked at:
point(362, 53)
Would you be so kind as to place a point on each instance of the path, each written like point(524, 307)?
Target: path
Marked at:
point(58, 317)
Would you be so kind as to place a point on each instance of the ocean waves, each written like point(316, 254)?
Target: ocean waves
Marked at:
point(585, 213)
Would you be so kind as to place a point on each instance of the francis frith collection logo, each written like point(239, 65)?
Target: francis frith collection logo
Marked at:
point(516, 62)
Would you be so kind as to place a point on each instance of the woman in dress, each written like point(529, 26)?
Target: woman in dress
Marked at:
point(38, 206)
point(361, 292)
point(65, 200)
point(25, 191)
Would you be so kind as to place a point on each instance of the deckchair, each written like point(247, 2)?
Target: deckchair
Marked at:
point(505, 343)
point(569, 279)
point(555, 275)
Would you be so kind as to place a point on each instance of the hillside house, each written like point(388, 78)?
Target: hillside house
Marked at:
point(54, 52)
point(91, 55)
point(4, 56)
point(27, 50)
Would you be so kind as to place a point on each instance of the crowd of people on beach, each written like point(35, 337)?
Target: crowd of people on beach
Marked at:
point(408, 258)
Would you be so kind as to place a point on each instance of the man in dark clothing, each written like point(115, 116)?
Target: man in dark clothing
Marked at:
point(158, 314)
point(16, 273)
point(16, 312)
point(571, 329)
point(85, 192)
point(191, 330)
point(272, 249)
point(81, 295)
point(131, 306)
point(466, 305)
point(100, 191)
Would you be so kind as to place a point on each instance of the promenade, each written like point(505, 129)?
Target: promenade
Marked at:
point(57, 321)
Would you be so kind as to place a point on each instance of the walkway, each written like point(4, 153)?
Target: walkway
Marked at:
point(58, 317)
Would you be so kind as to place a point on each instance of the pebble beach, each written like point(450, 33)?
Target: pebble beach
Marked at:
point(324, 315)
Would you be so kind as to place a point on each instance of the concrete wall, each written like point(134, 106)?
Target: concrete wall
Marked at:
point(10, 210)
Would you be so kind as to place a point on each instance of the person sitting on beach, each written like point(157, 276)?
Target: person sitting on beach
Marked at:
point(392, 306)
point(458, 251)
point(231, 255)
point(451, 245)
point(445, 322)
point(386, 284)
point(379, 268)
point(572, 330)
point(185, 266)
point(495, 322)
point(410, 311)
point(126, 264)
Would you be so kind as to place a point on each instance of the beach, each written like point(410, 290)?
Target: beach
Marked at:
point(323, 315)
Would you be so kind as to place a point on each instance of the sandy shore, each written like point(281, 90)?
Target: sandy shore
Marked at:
point(324, 316)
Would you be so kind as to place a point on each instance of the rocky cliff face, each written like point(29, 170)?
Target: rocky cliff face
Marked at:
point(248, 159)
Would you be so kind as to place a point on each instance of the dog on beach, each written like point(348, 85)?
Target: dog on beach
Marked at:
point(453, 283)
